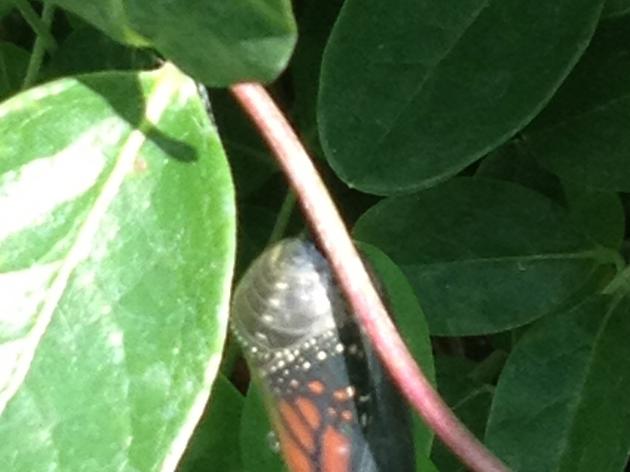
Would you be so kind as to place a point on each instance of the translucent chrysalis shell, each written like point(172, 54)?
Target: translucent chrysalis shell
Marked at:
point(286, 297)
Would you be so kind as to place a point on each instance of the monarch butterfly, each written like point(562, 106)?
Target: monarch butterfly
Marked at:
point(333, 407)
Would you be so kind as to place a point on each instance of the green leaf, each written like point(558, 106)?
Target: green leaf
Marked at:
point(5, 7)
point(600, 214)
point(76, 54)
point(411, 323)
point(413, 91)
point(469, 399)
point(454, 380)
point(616, 8)
point(582, 135)
point(218, 43)
point(512, 163)
point(13, 64)
point(215, 444)
point(473, 412)
point(110, 16)
point(425, 465)
point(483, 256)
point(259, 450)
point(562, 402)
point(116, 255)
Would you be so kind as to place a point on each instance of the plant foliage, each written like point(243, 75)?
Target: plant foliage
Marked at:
point(478, 150)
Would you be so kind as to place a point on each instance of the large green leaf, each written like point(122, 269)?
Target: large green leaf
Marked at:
point(482, 255)
point(217, 42)
point(116, 255)
point(412, 91)
point(562, 400)
point(582, 135)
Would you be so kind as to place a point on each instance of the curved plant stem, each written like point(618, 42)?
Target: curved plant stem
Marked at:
point(44, 39)
point(353, 279)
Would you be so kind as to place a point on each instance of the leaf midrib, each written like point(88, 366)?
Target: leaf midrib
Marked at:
point(590, 254)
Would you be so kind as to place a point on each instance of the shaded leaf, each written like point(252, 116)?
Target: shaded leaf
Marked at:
point(215, 444)
point(259, 448)
point(425, 465)
point(599, 213)
point(562, 403)
point(512, 163)
point(453, 377)
point(218, 43)
point(473, 412)
point(13, 64)
point(116, 254)
point(110, 16)
point(582, 135)
point(469, 399)
point(482, 255)
point(616, 8)
point(88, 50)
point(5, 7)
point(415, 90)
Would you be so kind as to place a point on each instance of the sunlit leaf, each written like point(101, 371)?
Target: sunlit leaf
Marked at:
point(116, 254)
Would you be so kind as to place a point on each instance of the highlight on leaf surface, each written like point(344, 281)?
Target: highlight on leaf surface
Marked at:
point(116, 255)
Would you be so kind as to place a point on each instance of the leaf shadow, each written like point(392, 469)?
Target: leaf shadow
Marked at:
point(126, 97)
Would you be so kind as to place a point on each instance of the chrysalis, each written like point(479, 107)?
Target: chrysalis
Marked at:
point(333, 407)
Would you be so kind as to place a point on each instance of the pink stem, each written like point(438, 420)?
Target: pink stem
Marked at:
point(355, 282)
